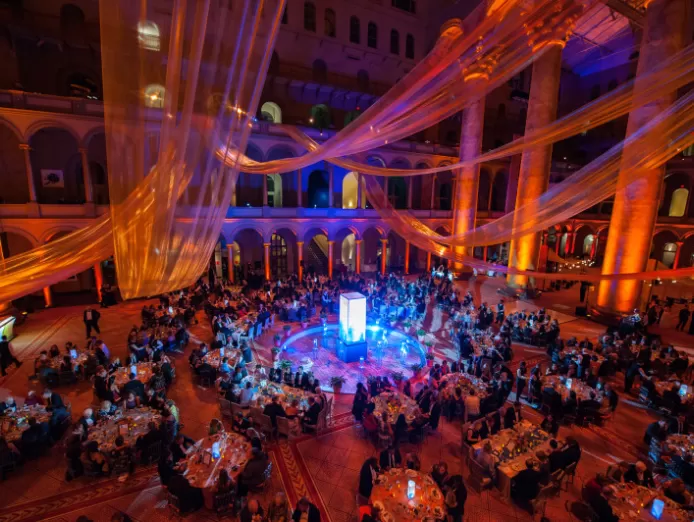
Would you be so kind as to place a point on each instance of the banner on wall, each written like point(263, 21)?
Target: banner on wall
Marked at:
point(52, 178)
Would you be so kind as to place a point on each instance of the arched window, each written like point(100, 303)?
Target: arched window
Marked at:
point(330, 25)
point(372, 35)
point(148, 35)
point(588, 244)
point(394, 42)
point(274, 190)
point(320, 71)
point(278, 255)
point(669, 253)
point(409, 47)
point(349, 190)
point(318, 186)
point(354, 30)
point(320, 117)
point(351, 116)
point(271, 112)
point(154, 95)
point(678, 203)
point(397, 192)
point(309, 17)
point(445, 196)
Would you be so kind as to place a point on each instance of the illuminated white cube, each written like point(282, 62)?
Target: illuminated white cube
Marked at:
point(352, 318)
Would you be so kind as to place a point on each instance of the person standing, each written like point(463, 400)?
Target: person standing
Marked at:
point(6, 355)
point(91, 320)
point(683, 318)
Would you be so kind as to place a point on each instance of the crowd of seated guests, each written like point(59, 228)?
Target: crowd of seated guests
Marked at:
point(84, 456)
point(39, 436)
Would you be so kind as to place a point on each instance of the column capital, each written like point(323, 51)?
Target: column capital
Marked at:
point(230, 246)
point(83, 150)
point(331, 242)
point(299, 243)
point(679, 244)
point(384, 240)
point(358, 241)
point(267, 245)
point(24, 146)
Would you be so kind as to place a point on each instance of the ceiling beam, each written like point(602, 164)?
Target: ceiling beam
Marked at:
point(626, 9)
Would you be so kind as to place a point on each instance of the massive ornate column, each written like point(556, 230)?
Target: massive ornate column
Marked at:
point(384, 252)
point(29, 171)
point(533, 178)
point(331, 244)
point(266, 247)
point(86, 176)
point(359, 192)
point(299, 189)
point(48, 296)
point(636, 200)
point(407, 257)
point(98, 279)
point(357, 254)
point(428, 262)
point(676, 262)
point(230, 262)
point(468, 178)
point(300, 259)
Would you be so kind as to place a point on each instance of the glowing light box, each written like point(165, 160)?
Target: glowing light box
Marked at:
point(353, 326)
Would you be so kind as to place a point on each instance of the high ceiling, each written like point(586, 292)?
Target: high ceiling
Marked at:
point(603, 38)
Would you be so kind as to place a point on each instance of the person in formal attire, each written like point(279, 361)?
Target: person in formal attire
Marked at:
point(390, 458)
point(311, 416)
point(512, 416)
point(683, 318)
point(7, 355)
point(526, 485)
point(190, 498)
point(639, 474)
point(273, 410)
point(306, 511)
point(91, 320)
point(367, 476)
point(134, 386)
point(439, 472)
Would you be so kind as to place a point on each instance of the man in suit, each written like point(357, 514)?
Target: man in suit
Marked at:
point(683, 318)
point(306, 511)
point(311, 415)
point(149, 438)
point(556, 457)
point(512, 416)
point(6, 355)
point(526, 485)
point(390, 458)
point(91, 320)
point(274, 410)
point(135, 386)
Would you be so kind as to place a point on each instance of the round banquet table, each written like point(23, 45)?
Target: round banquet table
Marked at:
point(632, 503)
point(286, 395)
point(12, 425)
point(235, 451)
point(390, 495)
point(144, 373)
point(214, 359)
point(55, 362)
point(131, 424)
point(465, 382)
point(394, 403)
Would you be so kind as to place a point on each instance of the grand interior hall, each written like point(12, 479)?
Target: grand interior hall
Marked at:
point(367, 261)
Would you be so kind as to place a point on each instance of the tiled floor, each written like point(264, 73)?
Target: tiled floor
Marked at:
point(324, 468)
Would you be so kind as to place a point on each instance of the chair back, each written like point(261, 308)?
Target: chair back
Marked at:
point(121, 465)
point(225, 408)
point(224, 502)
point(256, 414)
point(235, 408)
point(283, 426)
point(152, 454)
point(570, 469)
point(581, 511)
point(174, 503)
point(265, 423)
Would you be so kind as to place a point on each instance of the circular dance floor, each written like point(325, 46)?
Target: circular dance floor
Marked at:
point(397, 352)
